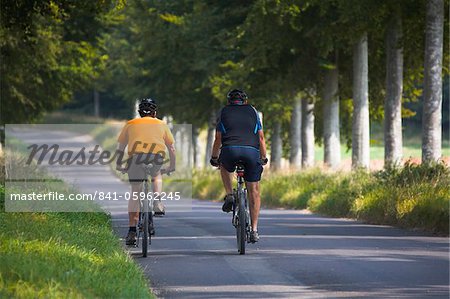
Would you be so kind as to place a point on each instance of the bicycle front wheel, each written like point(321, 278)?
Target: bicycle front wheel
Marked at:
point(240, 228)
point(145, 235)
point(145, 221)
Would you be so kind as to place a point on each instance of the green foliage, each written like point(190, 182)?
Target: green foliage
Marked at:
point(298, 189)
point(415, 196)
point(337, 198)
point(207, 184)
point(187, 54)
point(183, 58)
point(48, 50)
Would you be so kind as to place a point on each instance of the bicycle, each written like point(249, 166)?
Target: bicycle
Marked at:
point(145, 223)
point(241, 216)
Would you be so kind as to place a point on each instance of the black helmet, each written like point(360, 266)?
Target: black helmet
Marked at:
point(237, 96)
point(147, 107)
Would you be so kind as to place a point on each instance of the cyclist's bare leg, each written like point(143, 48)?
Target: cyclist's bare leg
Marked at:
point(227, 179)
point(254, 202)
point(133, 205)
point(157, 183)
point(158, 207)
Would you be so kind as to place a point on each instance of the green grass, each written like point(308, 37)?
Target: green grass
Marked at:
point(415, 196)
point(64, 255)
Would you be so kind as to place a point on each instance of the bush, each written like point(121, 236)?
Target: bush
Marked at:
point(337, 199)
point(414, 196)
point(206, 184)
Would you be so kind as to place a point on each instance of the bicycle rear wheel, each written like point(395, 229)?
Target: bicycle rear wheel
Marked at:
point(150, 221)
point(241, 225)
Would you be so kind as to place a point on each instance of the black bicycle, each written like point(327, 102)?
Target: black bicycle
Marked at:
point(241, 216)
point(145, 224)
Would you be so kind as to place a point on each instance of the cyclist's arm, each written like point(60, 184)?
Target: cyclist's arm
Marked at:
point(172, 156)
point(262, 144)
point(216, 145)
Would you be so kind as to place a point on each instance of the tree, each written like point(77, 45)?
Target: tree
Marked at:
point(276, 147)
point(282, 63)
point(360, 123)
point(295, 134)
point(47, 54)
point(331, 134)
point(210, 135)
point(394, 89)
point(432, 107)
point(307, 132)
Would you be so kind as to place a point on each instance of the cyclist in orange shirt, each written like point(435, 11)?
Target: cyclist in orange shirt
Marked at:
point(147, 139)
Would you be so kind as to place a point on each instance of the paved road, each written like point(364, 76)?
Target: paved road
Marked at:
point(300, 255)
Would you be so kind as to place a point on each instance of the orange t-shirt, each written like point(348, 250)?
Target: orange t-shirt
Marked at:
point(146, 135)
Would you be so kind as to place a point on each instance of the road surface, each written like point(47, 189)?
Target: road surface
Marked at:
point(300, 255)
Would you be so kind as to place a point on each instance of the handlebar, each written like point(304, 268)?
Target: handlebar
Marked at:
point(162, 171)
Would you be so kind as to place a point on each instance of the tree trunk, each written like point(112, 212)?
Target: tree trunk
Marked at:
point(276, 147)
point(96, 103)
point(393, 146)
point(179, 144)
point(307, 133)
point(210, 136)
point(136, 108)
point(360, 122)
point(188, 145)
point(296, 135)
point(331, 135)
point(432, 106)
point(196, 148)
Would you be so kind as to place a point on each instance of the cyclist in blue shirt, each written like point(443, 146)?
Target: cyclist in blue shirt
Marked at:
point(239, 136)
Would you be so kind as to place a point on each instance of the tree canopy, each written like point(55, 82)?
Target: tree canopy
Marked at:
point(187, 54)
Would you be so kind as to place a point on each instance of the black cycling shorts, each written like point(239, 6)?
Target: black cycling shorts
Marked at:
point(136, 166)
point(250, 158)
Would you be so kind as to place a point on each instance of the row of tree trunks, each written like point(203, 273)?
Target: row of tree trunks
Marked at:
point(302, 119)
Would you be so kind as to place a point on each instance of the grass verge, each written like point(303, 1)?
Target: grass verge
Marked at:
point(64, 255)
point(414, 196)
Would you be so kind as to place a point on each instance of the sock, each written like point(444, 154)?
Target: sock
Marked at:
point(132, 229)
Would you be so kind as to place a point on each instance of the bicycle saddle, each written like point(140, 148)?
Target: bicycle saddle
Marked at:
point(239, 168)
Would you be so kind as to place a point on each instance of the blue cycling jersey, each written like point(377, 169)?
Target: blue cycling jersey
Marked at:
point(239, 125)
